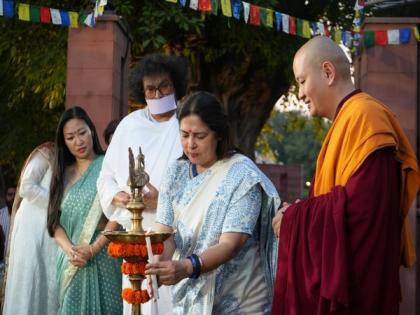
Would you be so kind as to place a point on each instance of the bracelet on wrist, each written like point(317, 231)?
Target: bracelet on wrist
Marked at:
point(196, 265)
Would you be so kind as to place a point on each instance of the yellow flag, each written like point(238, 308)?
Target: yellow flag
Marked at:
point(74, 19)
point(226, 8)
point(416, 33)
point(337, 36)
point(306, 29)
point(269, 18)
point(24, 12)
point(174, 1)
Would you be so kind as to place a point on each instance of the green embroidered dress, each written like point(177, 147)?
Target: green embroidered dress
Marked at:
point(96, 288)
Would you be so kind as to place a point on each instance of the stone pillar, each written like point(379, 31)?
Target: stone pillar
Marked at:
point(97, 70)
point(390, 73)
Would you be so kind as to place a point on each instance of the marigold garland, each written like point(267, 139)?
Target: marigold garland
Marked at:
point(137, 268)
point(130, 250)
point(135, 296)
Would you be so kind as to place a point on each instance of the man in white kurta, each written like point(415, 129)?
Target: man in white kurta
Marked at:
point(156, 130)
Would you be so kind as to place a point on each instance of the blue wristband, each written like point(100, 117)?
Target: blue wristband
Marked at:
point(196, 265)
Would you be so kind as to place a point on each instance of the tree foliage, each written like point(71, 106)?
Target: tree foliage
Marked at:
point(247, 67)
point(292, 138)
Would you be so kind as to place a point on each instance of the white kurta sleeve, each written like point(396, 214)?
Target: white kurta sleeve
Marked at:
point(30, 182)
point(108, 185)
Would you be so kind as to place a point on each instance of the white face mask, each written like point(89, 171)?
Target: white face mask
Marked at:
point(161, 105)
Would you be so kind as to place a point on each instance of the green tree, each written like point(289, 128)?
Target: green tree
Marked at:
point(292, 138)
point(247, 67)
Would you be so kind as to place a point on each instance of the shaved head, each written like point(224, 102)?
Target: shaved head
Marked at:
point(322, 49)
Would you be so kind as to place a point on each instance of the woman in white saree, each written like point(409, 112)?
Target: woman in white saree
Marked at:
point(223, 255)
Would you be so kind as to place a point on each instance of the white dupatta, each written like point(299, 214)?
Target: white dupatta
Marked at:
point(192, 216)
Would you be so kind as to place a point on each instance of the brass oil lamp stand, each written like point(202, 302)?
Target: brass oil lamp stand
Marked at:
point(136, 236)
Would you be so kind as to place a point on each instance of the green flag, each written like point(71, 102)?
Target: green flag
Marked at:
point(369, 38)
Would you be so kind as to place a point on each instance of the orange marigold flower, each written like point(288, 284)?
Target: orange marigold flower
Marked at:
point(135, 296)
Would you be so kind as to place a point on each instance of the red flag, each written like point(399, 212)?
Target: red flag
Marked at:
point(204, 5)
point(327, 30)
point(45, 15)
point(292, 25)
point(254, 13)
point(381, 38)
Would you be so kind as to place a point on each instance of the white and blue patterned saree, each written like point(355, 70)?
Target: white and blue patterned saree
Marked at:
point(231, 196)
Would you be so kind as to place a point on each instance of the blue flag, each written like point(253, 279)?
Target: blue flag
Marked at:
point(278, 21)
point(8, 8)
point(236, 8)
point(405, 34)
point(65, 19)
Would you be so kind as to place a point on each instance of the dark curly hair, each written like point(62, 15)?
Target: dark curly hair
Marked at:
point(157, 64)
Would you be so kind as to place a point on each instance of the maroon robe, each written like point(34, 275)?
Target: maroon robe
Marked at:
point(339, 253)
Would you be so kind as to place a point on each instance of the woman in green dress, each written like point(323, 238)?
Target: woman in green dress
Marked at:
point(89, 281)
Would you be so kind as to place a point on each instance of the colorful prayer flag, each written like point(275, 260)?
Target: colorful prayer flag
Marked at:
point(337, 36)
point(65, 19)
point(254, 15)
point(326, 30)
point(381, 38)
point(34, 13)
point(1, 7)
point(269, 18)
point(416, 33)
point(226, 8)
point(89, 20)
point(359, 5)
point(405, 34)
point(393, 37)
point(347, 39)
point(55, 16)
point(321, 28)
point(23, 12)
point(369, 39)
point(306, 29)
point(285, 22)
point(236, 8)
point(292, 25)
point(45, 15)
point(299, 27)
point(8, 8)
point(263, 16)
point(214, 6)
point(278, 21)
point(204, 5)
point(246, 6)
point(183, 2)
point(81, 18)
point(314, 28)
point(74, 19)
point(173, 1)
point(194, 4)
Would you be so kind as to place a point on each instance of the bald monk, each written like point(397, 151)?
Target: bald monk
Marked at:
point(340, 249)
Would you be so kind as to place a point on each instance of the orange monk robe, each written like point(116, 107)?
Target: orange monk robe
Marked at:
point(363, 126)
point(339, 249)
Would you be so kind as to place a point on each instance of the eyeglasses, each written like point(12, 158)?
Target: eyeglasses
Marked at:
point(165, 88)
